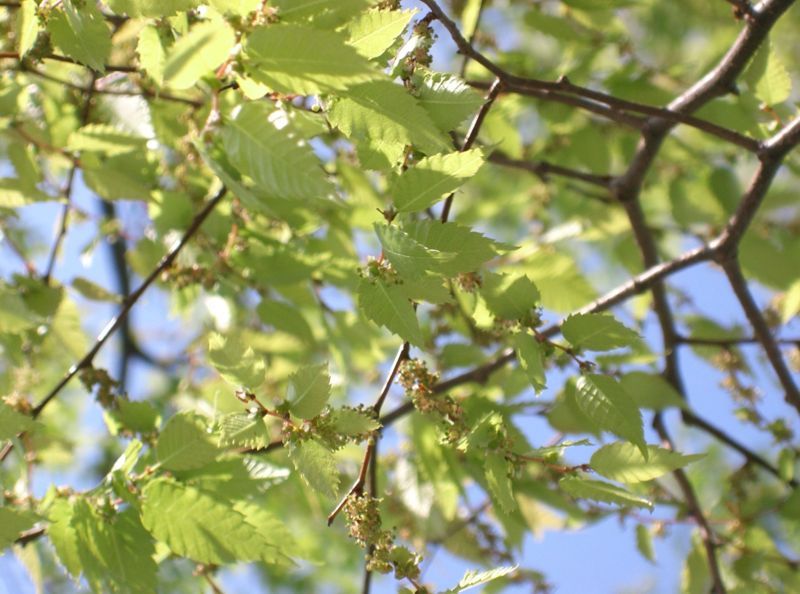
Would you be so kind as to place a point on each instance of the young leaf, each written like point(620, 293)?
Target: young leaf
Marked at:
point(105, 139)
point(447, 99)
point(387, 306)
point(81, 33)
point(374, 32)
point(600, 491)
point(597, 332)
point(510, 296)
point(298, 59)
point(181, 516)
point(152, 56)
point(644, 542)
point(623, 462)
point(63, 537)
point(12, 422)
point(322, 14)
point(237, 365)
point(385, 113)
point(309, 390)
point(473, 578)
point(197, 53)
point(352, 422)
point(497, 468)
point(767, 76)
point(184, 443)
point(93, 291)
point(424, 184)
point(469, 249)
point(651, 391)
point(316, 465)
point(604, 401)
point(272, 156)
point(410, 258)
point(529, 354)
point(27, 26)
point(12, 522)
point(117, 553)
point(151, 8)
point(243, 430)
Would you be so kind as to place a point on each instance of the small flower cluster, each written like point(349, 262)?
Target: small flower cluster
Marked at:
point(92, 377)
point(185, 276)
point(380, 269)
point(418, 383)
point(364, 523)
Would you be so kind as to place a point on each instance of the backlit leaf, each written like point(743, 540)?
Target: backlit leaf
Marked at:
point(597, 332)
point(605, 402)
point(601, 491)
point(623, 462)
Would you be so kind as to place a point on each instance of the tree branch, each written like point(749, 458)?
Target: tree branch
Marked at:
point(132, 299)
point(739, 285)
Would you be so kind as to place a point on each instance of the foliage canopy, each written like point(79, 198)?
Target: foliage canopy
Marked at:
point(422, 255)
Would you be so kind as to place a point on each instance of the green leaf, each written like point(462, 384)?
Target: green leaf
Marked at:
point(276, 540)
point(605, 402)
point(151, 8)
point(387, 306)
point(601, 491)
point(316, 465)
point(13, 422)
point(238, 365)
point(298, 59)
point(81, 33)
point(185, 443)
point(530, 356)
point(597, 332)
point(352, 422)
point(324, 14)
point(12, 522)
point(63, 537)
point(273, 156)
point(197, 53)
point(651, 391)
point(374, 31)
point(243, 430)
point(510, 296)
point(447, 99)
point(199, 525)
point(102, 138)
point(497, 469)
point(644, 542)
point(285, 318)
point(790, 306)
point(473, 578)
point(408, 256)
point(469, 249)
point(768, 77)
point(309, 390)
point(237, 7)
point(93, 291)
point(27, 26)
point(116, 554)
point(424, 184)
point(623, 462)
point(152, 56)
point(386, 115)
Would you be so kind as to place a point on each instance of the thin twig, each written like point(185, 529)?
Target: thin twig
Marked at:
point(543, 169)
point(132, 299)
point(739, 285)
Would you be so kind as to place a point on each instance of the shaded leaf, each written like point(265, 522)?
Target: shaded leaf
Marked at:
point(185, 443)
point(601, 491)
point(239, 366)
point(197, 53)
point(81, 33)
point(316, 465)
point(309, 390)
point(607, 404)
point(530, 356)
point(497, 469)
point(424, 184)
point(597, 332)
point(623, 462)
point(387, 306)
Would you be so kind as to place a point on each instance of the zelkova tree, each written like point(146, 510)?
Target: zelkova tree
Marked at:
point(390, 278)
